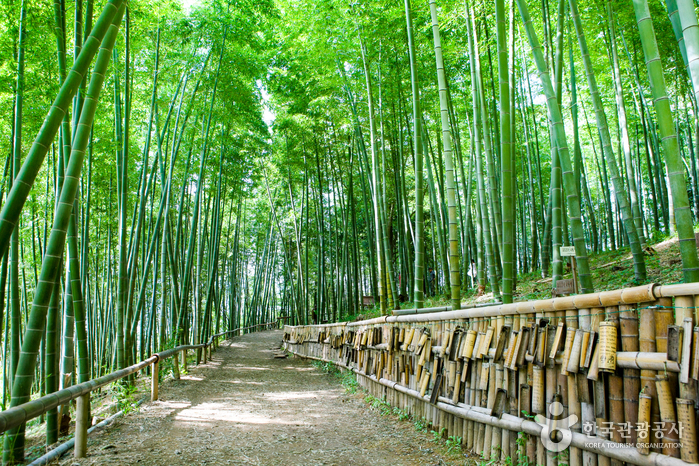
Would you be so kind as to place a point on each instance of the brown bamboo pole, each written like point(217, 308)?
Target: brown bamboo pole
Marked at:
point(644, 420)
point(154, 382)
point(663, 319)
point(628, 321)
point(647, 343)
point(686, 403)
point(82, 423)
point(686, 421)
point(667, 416)
point(586, 403)
point(599, 393)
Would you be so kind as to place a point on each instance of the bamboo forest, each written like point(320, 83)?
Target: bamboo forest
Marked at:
point(178, 170)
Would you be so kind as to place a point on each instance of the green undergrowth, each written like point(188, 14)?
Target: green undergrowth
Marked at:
point(346, 378)
point(610, 270)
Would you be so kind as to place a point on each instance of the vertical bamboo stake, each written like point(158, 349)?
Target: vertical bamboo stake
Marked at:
point(551, 377)
point(684, 317)
point(586, 406)
point(654, 338)
point(632, 383)
point(600, 399)
point(667, 415)
point(82, 422)
point(154, 382)
point(643, 433)
point(497, 445)
point(529, 449)
point(601, 417)
point(176, 367)
point(686, 421)
point(607, 361)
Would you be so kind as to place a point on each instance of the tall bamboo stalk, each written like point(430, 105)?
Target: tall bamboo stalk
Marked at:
point(568, 177)
point(21, 388)
point(666, 127)
point(454, 276)
point(603, 128)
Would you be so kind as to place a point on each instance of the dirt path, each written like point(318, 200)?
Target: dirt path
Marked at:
point(246, 408)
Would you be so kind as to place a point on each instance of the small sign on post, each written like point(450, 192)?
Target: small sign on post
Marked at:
point(564, 286)
point(569, 251)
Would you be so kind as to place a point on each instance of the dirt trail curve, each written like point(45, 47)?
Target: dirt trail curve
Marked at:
point(246, 408)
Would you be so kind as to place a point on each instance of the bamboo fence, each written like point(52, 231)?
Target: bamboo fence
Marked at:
point(612, 375)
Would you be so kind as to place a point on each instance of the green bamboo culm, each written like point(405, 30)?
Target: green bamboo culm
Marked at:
point(13, 450)
point(690, 33)
point(485, 247)
point(676, 21)
point(562, 145)
point(639, 265)
point(419, 287)
point(558, 238)
point(454, 276)
point(376, 191)
point(15, 311)
point(668, 136)
point(623, 126)
point(35, 158)
point(508, 206)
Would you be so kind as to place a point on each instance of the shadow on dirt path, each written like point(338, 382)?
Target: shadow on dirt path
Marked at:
point(247, 408)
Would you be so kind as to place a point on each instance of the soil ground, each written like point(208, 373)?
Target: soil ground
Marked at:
point(247, 408)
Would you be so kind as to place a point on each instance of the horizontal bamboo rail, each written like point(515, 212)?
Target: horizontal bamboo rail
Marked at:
point(19, 415)
point(634, 295)
point(428, 310)
point(475, 372)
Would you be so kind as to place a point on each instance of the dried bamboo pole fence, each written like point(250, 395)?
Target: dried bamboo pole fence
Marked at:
point(615, 361)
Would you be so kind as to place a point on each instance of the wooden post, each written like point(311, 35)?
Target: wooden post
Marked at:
point(154, 383)
point(184, 360)
point(176, 367)
point(82, 422)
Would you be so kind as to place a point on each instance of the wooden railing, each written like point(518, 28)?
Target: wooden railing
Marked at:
point(623, 363)
point(19, 415)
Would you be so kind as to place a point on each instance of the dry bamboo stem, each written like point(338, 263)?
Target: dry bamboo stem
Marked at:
point(667, 416)
point(643, 433)
point(632, 383)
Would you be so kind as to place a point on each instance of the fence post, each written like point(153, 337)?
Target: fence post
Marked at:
point(81, 424)
point(154, 382)
point(184, 359)
point(205, 350)
point(176, 368)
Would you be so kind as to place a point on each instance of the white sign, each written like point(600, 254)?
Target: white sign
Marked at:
point(567, 251)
